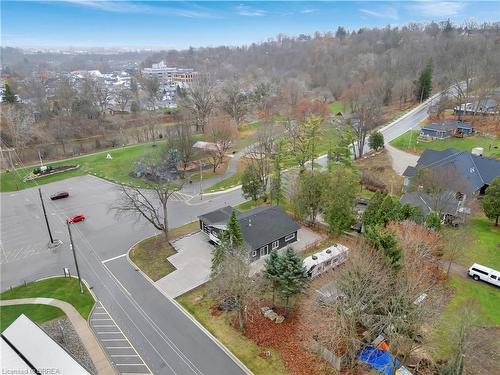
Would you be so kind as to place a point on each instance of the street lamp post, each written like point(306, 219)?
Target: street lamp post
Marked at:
point(72, 246)
point(45, 215)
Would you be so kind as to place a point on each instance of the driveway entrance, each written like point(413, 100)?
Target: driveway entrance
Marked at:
point(192, 262)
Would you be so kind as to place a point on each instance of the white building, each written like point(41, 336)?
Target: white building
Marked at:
point(169, 74)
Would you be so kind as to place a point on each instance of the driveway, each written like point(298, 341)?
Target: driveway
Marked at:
point(401, 159)
point(306, 237)
point(192, 263)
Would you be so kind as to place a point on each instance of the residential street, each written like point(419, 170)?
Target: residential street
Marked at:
point(167, 340)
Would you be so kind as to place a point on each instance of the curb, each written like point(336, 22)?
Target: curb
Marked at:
point(236, 360)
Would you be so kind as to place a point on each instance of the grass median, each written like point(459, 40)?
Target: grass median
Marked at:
point(150, 255)
point(64, 289)
point(37, 313)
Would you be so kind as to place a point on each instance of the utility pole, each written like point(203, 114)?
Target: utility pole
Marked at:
point(72, 246)
point(45, 215)
point(201, 180)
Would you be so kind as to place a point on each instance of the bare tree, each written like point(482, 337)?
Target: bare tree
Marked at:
point(234, 102)
point(151, 86)
point(182, 140)
point(366, 108)
point(20, 122)
point(222, 134)
point(122, 98)
point(65, 94)
point(260, 154)
point(149, 204)
point(444, 185)
point(37, 91)
point(232, 281)
point(200, 100)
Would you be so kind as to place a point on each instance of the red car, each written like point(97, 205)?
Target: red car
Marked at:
point(76, 218)
point(59, 195)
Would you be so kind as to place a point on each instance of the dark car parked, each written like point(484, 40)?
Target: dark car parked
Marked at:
point(59, 195)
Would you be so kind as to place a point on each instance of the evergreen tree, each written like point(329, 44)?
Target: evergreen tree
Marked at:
point(433, 221)
point(219, 254)
point(425, 83)
point(341, 33)
point(234, 230)
point(8, 95)
point(293, 276)
point(370, 217)
point(387, 242)
point(376, 140)
point(272, 272)
point(491, 201)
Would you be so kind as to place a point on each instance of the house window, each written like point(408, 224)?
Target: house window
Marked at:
point(254, 253)
point(264, 250)
point(290, 237)
point(275, 245)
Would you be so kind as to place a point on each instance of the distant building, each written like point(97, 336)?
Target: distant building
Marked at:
point(446, 128)
point(264, 228)
point(488, 106)
point(169, 74)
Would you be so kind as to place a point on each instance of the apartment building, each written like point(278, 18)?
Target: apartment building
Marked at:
point(170, 74)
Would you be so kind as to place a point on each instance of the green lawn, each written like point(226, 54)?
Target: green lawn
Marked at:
point(485, 248)
point(227, 183)
point(199, 305)
point(64, 289)
point(409, 142)
point(116, 169)
point(467, 291)
point(37, 313)
point(338, 106)
point(151, 254)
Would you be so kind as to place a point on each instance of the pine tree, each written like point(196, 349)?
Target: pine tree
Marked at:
point(8, 95)
point(272, 272)
point(425, 83)
point(376, 140)
point(234, 231)
point(293, 276)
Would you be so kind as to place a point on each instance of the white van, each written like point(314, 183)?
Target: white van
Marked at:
point(479, 272)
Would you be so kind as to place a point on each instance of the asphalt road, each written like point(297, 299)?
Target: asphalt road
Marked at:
point(166, 339)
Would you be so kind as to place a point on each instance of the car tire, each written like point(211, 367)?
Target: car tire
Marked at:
point(476, 277)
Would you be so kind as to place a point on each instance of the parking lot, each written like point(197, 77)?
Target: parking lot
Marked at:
point(116, 345)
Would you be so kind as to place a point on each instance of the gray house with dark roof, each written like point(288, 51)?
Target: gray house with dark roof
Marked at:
point(446, 128)
point(263, 228)
point(476, 172)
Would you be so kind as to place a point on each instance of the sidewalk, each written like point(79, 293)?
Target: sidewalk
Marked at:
point(93, 348)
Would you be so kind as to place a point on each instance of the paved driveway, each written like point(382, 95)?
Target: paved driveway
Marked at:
point(192, 263)
point(401, 159)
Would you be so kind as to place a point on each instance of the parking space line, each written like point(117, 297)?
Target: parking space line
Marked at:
point(117, 257)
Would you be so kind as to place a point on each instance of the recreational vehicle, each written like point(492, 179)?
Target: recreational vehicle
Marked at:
point(325, 260)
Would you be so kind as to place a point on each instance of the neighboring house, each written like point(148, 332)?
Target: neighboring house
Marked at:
point(263, 228)
point(450, 207)
point(27, 349)
point(488, 106)
point(476, 171)
point(446, 129)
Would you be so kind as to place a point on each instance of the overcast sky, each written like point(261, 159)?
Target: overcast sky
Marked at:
point(82, 23)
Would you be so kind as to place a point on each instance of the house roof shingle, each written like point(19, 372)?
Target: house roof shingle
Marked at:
point(476, 171)
point(259, 226)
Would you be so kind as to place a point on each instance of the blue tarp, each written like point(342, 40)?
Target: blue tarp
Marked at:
point(380, 360)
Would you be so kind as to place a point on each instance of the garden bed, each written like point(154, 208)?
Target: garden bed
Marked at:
point(50, 172)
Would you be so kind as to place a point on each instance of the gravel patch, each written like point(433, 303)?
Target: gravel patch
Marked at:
point(61, 331)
